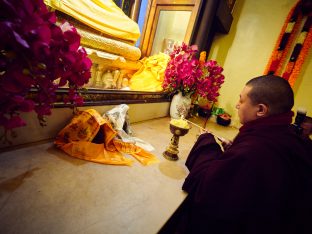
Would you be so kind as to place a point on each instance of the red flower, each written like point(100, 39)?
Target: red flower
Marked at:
point(185, 73)
point(12, 122)
point(34, 53)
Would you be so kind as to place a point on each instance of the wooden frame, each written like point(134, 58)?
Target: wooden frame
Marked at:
point(97, 97)
point(152, 16)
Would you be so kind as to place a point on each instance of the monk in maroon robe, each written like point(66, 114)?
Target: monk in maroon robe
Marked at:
point(261, 183)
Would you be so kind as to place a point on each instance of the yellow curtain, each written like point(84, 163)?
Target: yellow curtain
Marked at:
point(102, 15)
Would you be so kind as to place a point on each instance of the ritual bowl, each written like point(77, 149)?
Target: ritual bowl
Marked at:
point(177, 131)
point(224, 119)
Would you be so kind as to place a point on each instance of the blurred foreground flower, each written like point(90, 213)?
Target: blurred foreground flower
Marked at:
point(37, 54)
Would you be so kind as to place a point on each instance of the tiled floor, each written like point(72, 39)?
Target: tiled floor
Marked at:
point(42, 190)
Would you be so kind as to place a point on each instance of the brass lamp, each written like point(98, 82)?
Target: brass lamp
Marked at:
point(172, 151)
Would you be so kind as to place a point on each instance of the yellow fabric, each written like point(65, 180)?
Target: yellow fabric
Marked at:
point(92, 40)
point(96, 57)
point(75, 139)
point(151, 75)
point(102, 15)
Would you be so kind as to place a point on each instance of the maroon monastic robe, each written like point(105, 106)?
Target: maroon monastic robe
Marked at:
point(261, 184)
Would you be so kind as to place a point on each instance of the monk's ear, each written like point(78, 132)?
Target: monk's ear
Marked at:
point(263, 110)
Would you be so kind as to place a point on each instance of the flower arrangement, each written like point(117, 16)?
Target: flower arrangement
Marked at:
point(37, 54)
point(189, 75)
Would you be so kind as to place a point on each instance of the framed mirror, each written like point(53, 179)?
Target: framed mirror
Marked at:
point(167, 23)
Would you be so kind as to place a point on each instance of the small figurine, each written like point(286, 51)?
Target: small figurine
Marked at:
point(107, 80)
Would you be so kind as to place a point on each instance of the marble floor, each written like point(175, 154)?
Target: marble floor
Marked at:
point(42, 190)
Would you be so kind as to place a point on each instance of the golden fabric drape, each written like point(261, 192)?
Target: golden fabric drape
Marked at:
point(151, 75)
point(102, 15)
point(76, 140)
point(109, 45)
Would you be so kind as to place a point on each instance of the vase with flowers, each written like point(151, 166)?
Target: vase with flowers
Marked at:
point(188, 76)
point(37, 54)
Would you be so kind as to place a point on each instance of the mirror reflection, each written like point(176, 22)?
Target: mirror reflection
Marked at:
point(171, 30)
point(109, 35)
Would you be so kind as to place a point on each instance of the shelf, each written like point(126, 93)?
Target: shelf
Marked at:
point(97, 97)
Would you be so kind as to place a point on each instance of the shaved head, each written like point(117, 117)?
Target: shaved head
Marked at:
point(273, 91)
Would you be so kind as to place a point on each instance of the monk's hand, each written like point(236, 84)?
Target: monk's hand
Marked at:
point(226, 143)
point(201, 131)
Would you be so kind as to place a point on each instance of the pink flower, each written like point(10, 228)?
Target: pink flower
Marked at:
point(186, 74)
point(34, 53)
point(12, 122)
point(27, 106)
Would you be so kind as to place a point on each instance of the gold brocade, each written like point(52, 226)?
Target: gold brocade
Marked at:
point(102, 15)
point(151, 75)
point(76, 140)
point(92, 40)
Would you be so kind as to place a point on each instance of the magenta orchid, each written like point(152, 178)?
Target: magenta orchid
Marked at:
point(37, 54)
point(185, 73)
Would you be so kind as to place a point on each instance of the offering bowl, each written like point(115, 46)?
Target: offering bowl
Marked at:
point(172, 151)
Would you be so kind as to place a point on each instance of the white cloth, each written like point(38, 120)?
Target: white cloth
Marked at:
point(118, 116)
